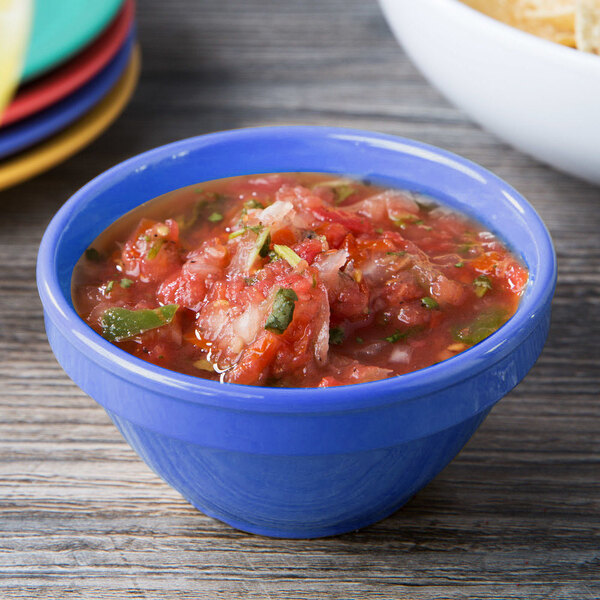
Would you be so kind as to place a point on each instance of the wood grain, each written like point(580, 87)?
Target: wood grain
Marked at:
point(516, 515)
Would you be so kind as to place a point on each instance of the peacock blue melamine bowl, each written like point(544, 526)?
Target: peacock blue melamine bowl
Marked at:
point(297, 463)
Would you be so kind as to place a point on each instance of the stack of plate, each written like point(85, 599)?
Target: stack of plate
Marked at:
point(80, 70)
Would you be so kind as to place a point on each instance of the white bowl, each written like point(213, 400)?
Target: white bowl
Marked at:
point(541, 97)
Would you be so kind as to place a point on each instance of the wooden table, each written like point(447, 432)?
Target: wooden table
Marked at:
point(516, 515)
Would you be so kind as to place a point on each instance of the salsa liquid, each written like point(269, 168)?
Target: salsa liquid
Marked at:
point(297, 280)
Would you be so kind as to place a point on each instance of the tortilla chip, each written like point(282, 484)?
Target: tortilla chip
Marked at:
point(501, 10)
point(546, 7)
point(574, 23)
point(553, 20)
point(587, 25)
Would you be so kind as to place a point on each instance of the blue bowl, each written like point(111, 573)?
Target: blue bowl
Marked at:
point(297, 463)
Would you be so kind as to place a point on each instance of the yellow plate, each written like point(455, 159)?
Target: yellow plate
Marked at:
point(75, 137)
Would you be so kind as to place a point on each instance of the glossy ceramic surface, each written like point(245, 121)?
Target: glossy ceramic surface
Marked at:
point(538, 96)
point(15, 138)
point(63, 27)
point(297, 462)
point(64, 80)
point(77, 136)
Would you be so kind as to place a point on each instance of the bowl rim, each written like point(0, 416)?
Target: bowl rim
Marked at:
point(238, 397)
point(572, 57)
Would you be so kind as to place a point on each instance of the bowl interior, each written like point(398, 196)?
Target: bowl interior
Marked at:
point(450, 179)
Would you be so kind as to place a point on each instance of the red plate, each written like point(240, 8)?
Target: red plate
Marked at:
point(64, 80)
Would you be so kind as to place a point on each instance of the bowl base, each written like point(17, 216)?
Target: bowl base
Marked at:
point(307, 534)
point(298, 497)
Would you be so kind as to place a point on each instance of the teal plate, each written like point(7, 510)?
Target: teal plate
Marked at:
point(62, 27)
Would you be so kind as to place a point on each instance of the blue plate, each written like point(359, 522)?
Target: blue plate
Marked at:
point(41, 126)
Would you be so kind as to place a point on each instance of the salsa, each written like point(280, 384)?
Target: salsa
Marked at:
point(296, 280)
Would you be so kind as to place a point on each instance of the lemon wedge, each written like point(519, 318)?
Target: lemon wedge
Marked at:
point(15, 25)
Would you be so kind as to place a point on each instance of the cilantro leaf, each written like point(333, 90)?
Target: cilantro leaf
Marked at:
point(396, 337)
point(282, 312)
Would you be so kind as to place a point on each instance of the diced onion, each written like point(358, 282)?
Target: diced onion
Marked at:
point(400, 355)
point(276, 213)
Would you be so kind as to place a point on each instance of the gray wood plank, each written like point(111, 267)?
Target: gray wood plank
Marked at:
point(516, 515)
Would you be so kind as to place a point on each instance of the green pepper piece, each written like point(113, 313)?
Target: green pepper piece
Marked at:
point(336, 335)
point(264, 250)
point(215, 217)
point(287, 254)
point(155, 249)
point(253, 203)
point(93, 255)
point(482, 284)
point(429, 303)
point(481, 327)
point(120, 324)
point(342, 192)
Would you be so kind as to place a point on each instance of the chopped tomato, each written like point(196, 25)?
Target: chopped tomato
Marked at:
point(352, 222)
point(296, 280)
point(284, 236)
point(252, 369)
point(335, 233)
point(152, 251)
